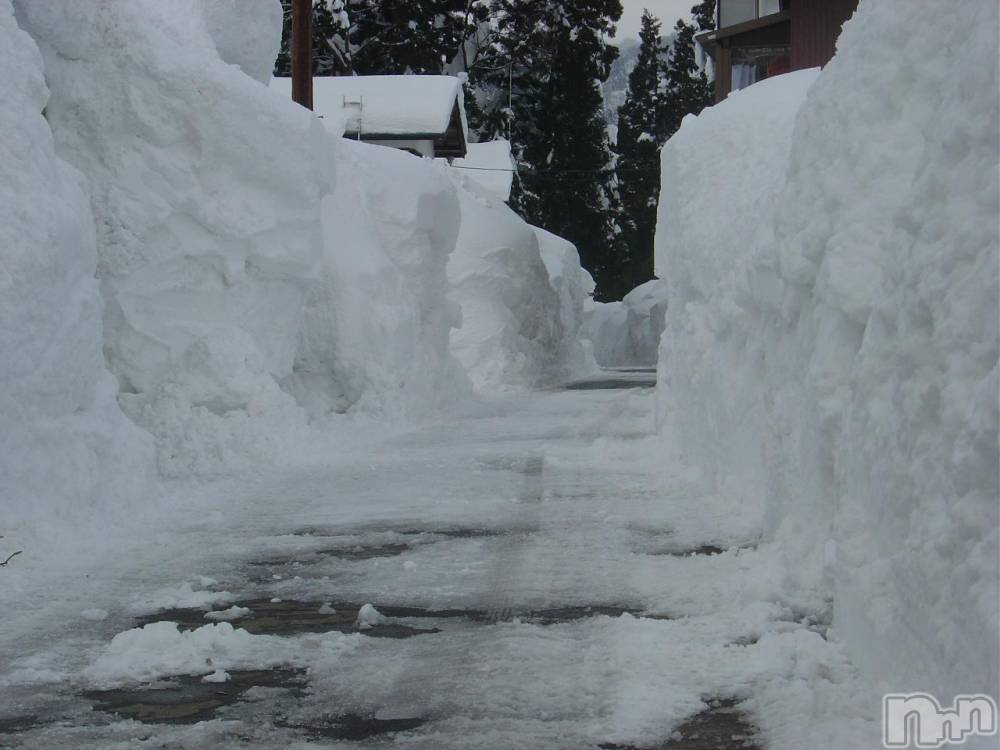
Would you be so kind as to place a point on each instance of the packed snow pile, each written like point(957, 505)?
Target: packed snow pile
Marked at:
point(832, 343)
point(208, 215)
point(375, 337)
point(575, 289)
point(627, 333)
point(246, 296)
point(516, 329)
point(65, 447)
point(160, 648)
point(489, 165)
point(243, 32)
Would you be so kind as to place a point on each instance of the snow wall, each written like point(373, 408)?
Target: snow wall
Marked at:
point(186, 247)
point(627, 333)
point(521, 293)
point(375, 339)
point(832, 341)
point(256, 275)
point(65, 447)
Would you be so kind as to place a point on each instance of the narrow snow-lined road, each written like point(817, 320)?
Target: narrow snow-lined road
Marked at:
point(541, 578)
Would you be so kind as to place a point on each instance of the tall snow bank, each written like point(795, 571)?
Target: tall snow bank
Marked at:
point(375, 337)
point(512, 331)
point(66, 450)
point(574, 287)
point(246, 33)
point(248, 296)
point(627, 333)
point(206, 188)
point(832, 345)
point(490, 166)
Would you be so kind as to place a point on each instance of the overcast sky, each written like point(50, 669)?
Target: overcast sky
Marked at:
point(667, 11)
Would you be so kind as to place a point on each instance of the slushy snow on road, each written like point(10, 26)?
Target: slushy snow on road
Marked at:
point(306, 441)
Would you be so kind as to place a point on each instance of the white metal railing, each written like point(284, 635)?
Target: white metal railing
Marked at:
point(732, 12)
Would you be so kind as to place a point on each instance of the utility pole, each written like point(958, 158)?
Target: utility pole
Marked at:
point(302, 86)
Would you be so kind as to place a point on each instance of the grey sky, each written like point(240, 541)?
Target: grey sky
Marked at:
point(667, 11)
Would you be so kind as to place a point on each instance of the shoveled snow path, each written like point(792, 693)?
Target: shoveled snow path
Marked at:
point(524, 513)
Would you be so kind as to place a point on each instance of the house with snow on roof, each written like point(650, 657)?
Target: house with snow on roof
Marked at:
point(758, 39)
point(422, 114)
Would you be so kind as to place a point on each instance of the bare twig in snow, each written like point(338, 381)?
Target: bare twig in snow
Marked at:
point(9, 558)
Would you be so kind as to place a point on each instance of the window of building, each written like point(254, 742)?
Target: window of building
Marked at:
point(732, 12)
point(752, 64)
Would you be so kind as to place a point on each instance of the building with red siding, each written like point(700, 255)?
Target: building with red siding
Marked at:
point(757, 39)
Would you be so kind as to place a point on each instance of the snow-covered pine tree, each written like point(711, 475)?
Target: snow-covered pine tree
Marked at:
point(704, 15)
point(408, 36)
point(372, 37)
point(638, 149)
point(537, 81)
point(331, 53)
point(686, 89)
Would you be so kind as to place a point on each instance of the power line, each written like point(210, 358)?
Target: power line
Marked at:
point(543, 172)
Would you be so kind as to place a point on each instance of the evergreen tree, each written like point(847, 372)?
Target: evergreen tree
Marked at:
point(664, 87)
point(372, 37)
point(638, 148)
point(537, 81)
point(408, 36)
point(704, 15)
point(331, 53)
point(687, 89)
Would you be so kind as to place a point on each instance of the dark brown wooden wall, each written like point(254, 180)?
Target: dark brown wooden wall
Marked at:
point(815, 28)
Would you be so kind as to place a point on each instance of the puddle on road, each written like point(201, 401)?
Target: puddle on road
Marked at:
point(610, 384)
point(355, 728)
point(722, 726)
point(293, 617)
point(658, 543)
point(558, 615)
point(188, 700)
point(303, 560)
point(708, 550)
point(359, 552)
point(18, 724)
point(450, 532)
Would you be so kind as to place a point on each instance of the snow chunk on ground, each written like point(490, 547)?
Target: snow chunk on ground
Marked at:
point(369, 616)
point(228, 615)
point(160, 648)
point(829, 347)
point(181, 596)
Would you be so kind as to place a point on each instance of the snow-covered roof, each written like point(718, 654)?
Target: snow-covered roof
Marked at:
point(490, 166)
point(400, 105)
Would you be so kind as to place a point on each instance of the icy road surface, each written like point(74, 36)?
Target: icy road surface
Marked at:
point(541, 573)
